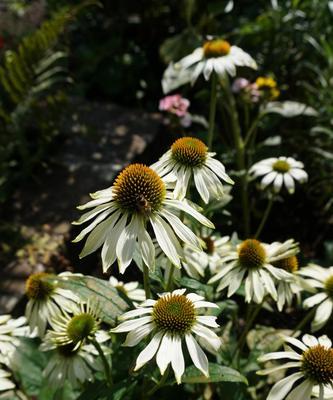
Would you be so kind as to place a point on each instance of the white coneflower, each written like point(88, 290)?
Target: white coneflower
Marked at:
point(278, 172)
point(216, 55)
point(251, 262)
point(10, 331)
point(313, 364)
point(130, 289)
point(189, 157)
point(46, 299)
point(171, 319)
point(75, 329)
point(67, 364)
point(320, 279)
point(121, 214)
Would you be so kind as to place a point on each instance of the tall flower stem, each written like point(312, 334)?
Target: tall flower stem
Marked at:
point(248, 326)
point(265, 217)
point(146, 284)
point(159, 384)
point(240, 153)
point(106, 364)
point(212, 111)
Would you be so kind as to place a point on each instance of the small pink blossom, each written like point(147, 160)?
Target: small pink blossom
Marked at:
point(240, 84)
point(174, 104)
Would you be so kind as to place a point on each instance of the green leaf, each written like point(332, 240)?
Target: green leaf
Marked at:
point(217, 373)
point(98, 291)
point(193, 284)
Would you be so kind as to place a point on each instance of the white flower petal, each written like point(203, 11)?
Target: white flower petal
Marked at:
point(201, 185)
point(148, 352)
point(126, 244)
point(281, 388)
point(166, 239)
point(164, 354)
point(128, 326)
point(303, 391)
point(198, 357)
point(177, 358)
point(134, 337)
point(181, 205)
point(280, 355)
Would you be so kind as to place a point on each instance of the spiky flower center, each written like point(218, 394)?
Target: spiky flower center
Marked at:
point(81, 327)
point(174, 314)
point(317, 364)
point(37, 287)
point(189, 151)
point(138, 189)
point(289, 264)
point(281, 166)
point(216, 48)
point(251, 254)
point(210, 245)
point(329, 286)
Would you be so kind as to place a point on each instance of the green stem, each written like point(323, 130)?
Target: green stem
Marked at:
point(212, 110)
point(252, 129)
point(321, 392)
point(106, 364)
point(240, 154)
point(159, 384)
point(308, 317)
point(248, 326)
point(170, 278)
point(146, 281)
point(264, 217)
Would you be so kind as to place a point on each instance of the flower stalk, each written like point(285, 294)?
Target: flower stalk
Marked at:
point(212, 110)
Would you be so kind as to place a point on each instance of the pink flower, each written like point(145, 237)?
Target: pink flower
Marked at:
point(174, 104)
point(240, 84)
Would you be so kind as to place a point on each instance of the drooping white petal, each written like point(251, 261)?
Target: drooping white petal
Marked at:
point(146, 246)
point(303, 391)
point(109, 248)
point(181, 230)
point(322, 315)
point(97, 237)
point(314, 300)
point(134, 337)
point(164, 354)
point(126, 244)
point(181, 205)
point(91, 226)
point(281, 388)
point(148, 352)
point(201, 185)
point(166, 239)
point(177, 359)
point(198, 357)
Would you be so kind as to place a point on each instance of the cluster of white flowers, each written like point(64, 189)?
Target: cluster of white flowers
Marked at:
point(147, 212)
